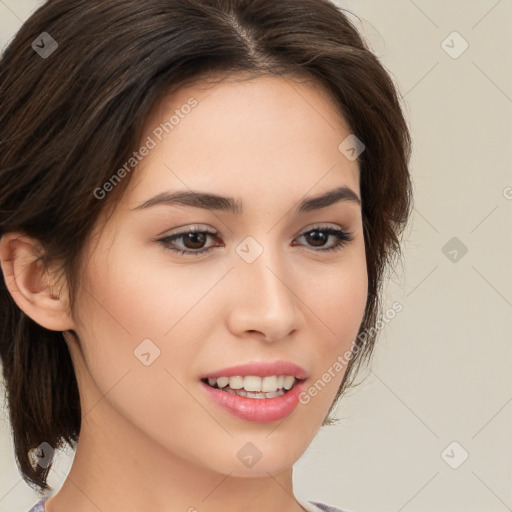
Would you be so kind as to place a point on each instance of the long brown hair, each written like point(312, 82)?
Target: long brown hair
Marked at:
point(69, 118)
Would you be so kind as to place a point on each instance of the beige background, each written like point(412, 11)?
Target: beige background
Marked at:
point(441, 371)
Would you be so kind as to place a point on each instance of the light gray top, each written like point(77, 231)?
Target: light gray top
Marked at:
point(310, 506)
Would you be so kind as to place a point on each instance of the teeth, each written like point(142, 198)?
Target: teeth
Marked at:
point(288, 382)
point(269, 384)
point(236, 382)
point(249, 394)
point(275, 393)
point(253, 384)
point(264, 395)
point(222, 382)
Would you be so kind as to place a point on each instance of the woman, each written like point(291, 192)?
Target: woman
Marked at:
point(199, 199)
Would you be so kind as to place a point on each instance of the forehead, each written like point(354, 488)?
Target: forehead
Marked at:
point(245, 136)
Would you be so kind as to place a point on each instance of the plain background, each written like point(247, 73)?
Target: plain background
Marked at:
point(439, 387)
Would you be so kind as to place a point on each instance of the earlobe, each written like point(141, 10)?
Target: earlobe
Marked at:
point(30, 284)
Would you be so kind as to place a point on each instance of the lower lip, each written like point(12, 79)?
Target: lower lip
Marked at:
point(257, 409)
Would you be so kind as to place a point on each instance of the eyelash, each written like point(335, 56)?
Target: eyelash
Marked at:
point(343, 237)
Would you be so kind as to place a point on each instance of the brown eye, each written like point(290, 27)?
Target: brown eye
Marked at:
point(193, 241)
point(317, 237)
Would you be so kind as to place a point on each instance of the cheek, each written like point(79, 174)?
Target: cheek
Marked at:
point(344, 298)
point(125, 305)
point(148, 299)
point(339, 300)
point(338, 294)
point(133, 308)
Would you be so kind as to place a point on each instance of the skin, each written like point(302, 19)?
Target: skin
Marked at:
point(150, 438)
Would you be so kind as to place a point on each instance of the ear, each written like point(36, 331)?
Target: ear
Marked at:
point(31, 285)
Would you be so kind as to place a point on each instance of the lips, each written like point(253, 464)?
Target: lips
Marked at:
point(261, 410)
point(260, 369)
point(283, 380)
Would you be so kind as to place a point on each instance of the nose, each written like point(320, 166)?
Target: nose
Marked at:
point(264, 302)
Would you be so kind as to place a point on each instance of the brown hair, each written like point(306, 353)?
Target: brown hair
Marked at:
point(68, 120)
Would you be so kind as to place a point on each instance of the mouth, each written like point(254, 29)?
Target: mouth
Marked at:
point(263, 398)
point(253, 386)
point(259, 391)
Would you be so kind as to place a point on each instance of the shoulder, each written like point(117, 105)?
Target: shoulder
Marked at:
point(39, 506)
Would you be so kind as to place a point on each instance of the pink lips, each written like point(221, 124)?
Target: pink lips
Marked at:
point(258, 409)
point(261, 370)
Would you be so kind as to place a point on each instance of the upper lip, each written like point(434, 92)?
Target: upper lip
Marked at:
point(260, 369)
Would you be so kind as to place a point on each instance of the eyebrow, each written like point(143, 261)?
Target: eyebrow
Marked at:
point(231, 205)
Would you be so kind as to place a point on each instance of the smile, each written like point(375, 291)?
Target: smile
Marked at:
point(252, 386)
point(260, 391)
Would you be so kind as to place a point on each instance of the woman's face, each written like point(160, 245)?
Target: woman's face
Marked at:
point(267, 282)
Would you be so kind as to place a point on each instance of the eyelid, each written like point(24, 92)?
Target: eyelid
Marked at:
point(187, 228)
point(205, 228)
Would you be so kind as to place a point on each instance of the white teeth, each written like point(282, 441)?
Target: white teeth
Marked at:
point(288, 382)
point(253, 384)
point(222, 382)
point(275, 393)
point(263, 395)
point(236, 382)
point(269, 384)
